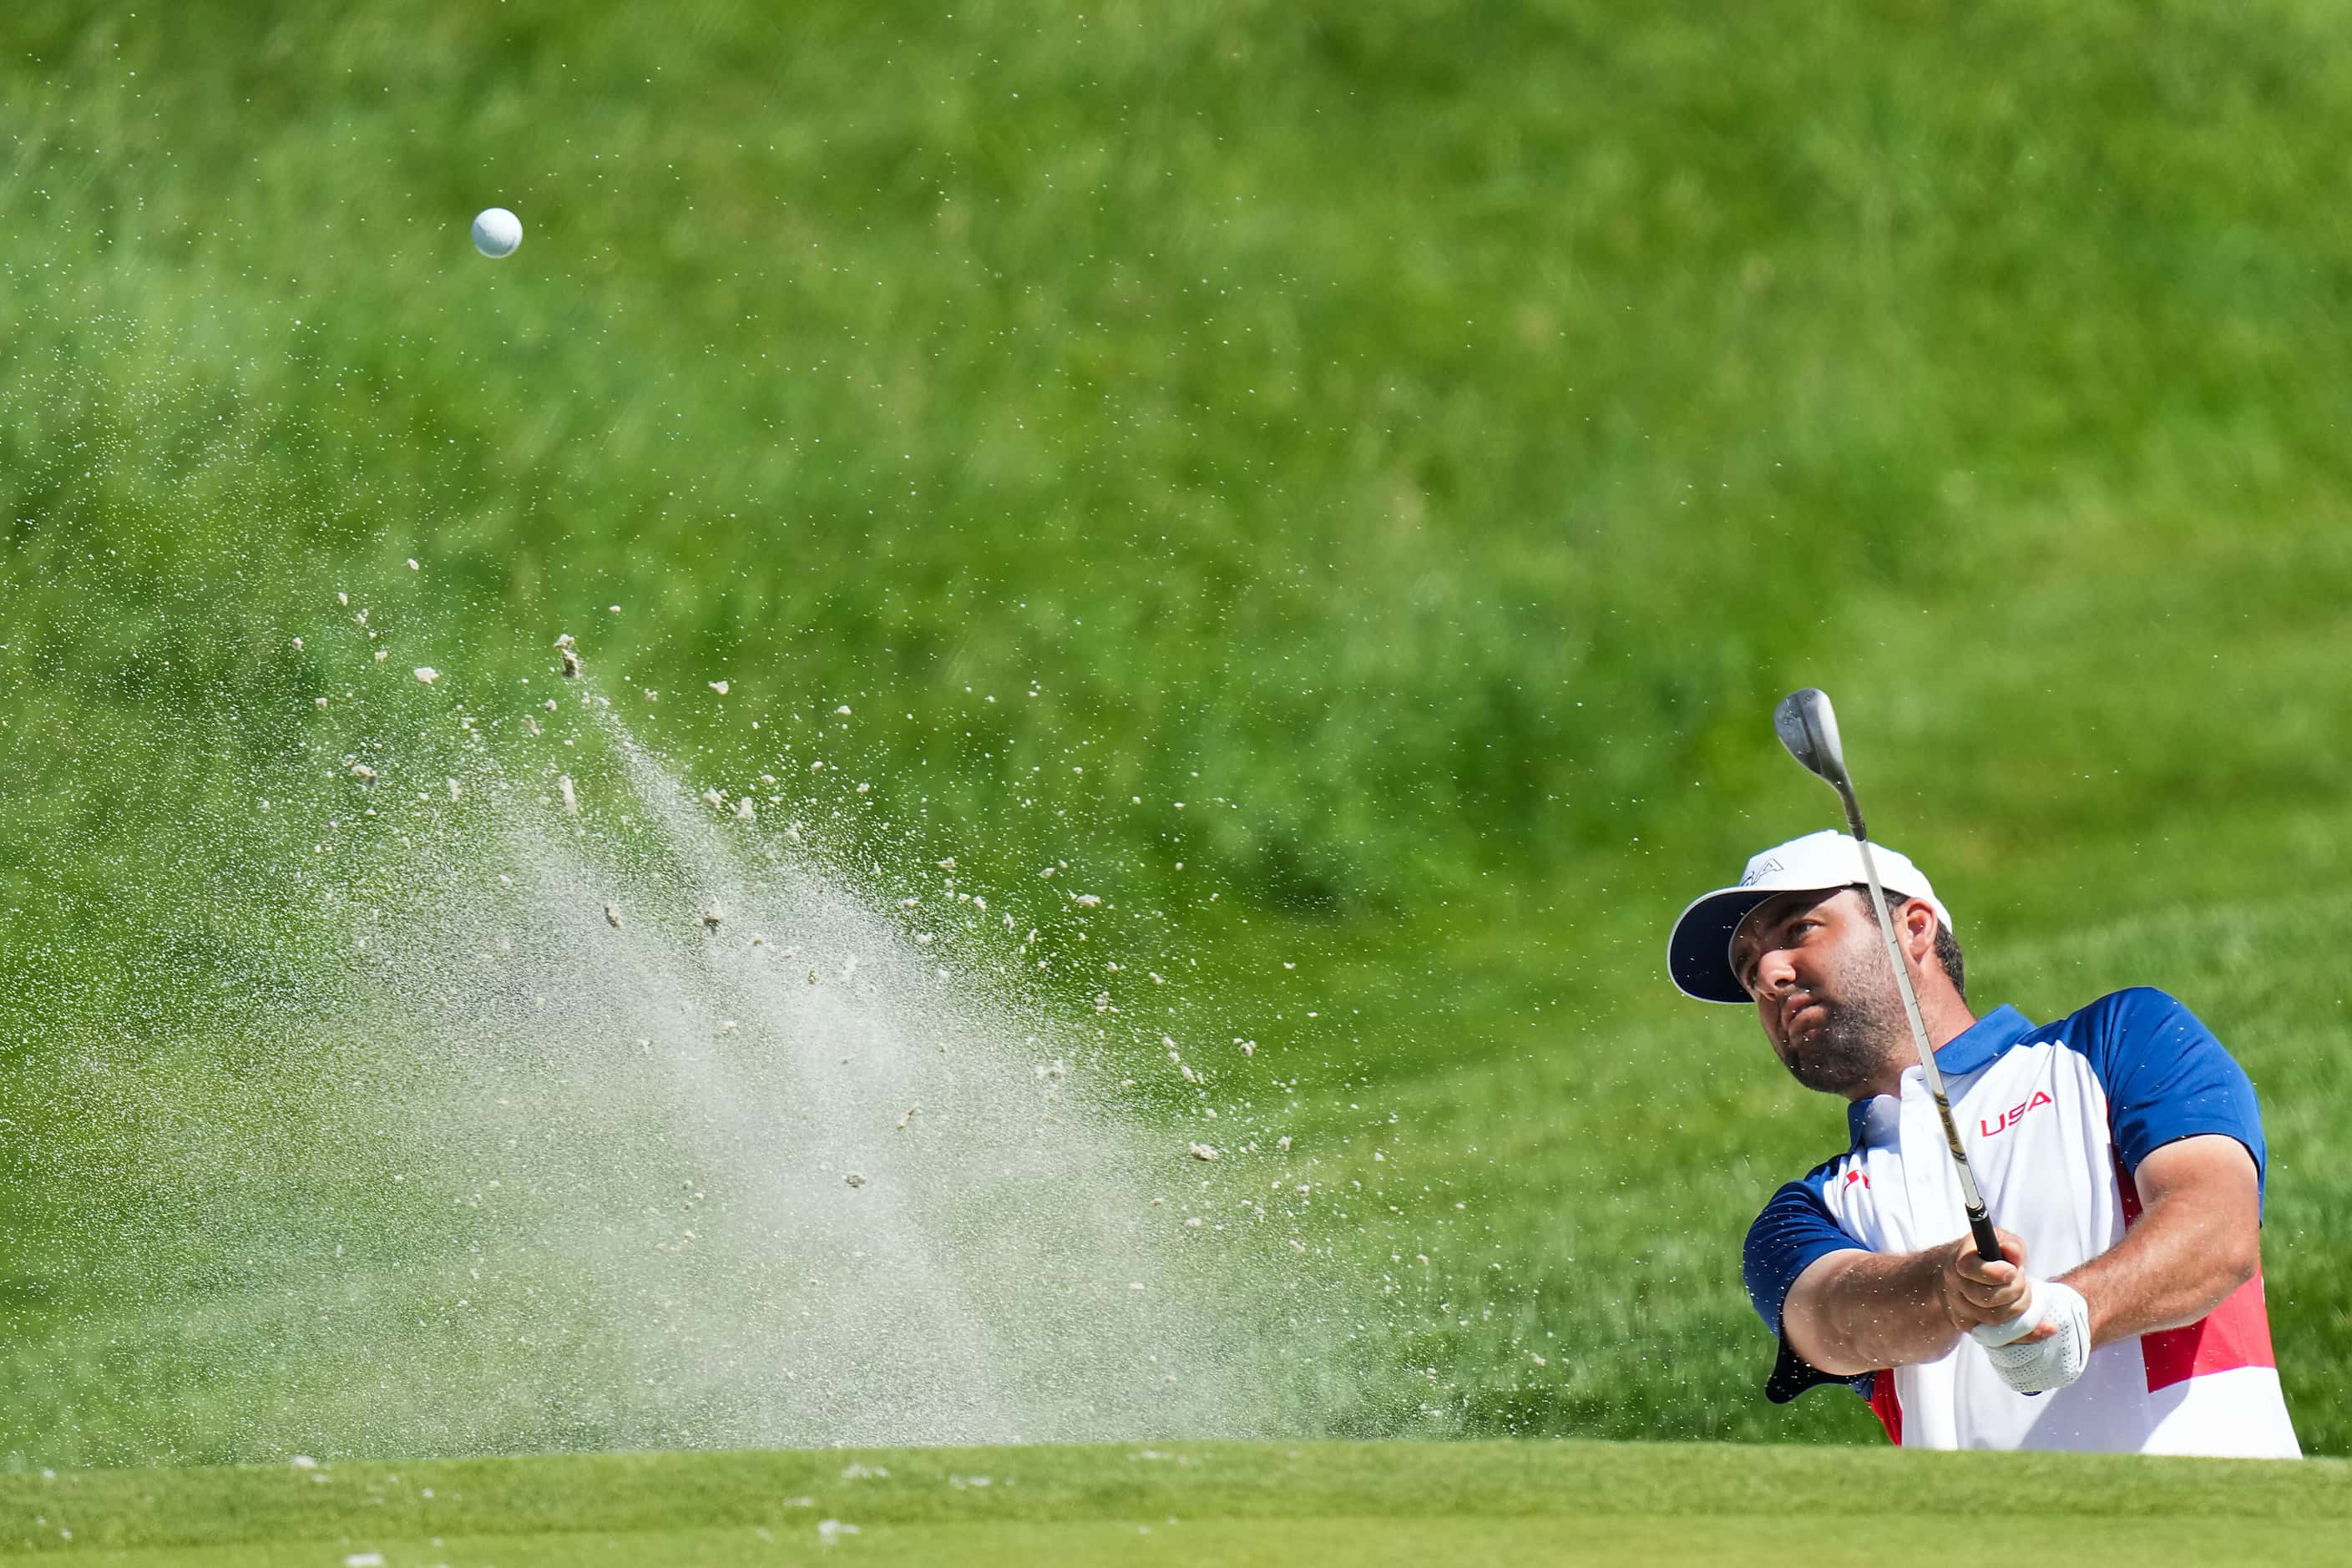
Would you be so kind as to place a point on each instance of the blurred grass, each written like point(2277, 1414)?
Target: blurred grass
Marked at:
point(1422, 439)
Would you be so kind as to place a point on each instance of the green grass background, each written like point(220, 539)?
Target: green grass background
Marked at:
point(1422, 438)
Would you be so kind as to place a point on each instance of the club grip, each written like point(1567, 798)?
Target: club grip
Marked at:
point(1988, 1243)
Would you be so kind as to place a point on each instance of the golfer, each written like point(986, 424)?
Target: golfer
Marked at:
point(2119, 1150)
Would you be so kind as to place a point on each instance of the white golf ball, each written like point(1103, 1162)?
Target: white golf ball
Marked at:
point(497, 232)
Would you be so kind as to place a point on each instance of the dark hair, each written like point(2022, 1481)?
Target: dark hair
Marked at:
point(1947, 947)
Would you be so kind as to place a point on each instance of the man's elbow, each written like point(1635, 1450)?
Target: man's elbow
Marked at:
point(1838, 1360)
point(2233, 1250)
point(2222, 1268)
point(2240, 1261)
point(1820, 1328)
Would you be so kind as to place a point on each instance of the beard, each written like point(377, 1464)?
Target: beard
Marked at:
point(1861, 1024)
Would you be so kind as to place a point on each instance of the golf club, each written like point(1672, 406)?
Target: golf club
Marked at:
point(1808, 727)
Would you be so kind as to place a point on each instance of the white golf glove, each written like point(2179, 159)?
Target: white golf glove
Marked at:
point(2053, 1362)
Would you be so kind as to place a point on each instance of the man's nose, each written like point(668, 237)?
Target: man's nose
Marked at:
point(1775, 972)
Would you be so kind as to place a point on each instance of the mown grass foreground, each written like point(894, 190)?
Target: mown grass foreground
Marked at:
point(1241, 1503)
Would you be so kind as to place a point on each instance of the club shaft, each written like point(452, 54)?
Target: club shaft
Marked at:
point(1979, 1220)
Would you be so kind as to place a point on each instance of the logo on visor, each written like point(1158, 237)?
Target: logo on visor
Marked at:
point(1758, 873)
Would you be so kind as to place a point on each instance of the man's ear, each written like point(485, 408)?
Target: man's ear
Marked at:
point(1919, 927)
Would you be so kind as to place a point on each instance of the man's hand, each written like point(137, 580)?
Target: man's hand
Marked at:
point(1975, 1293)
point(2036, 1332)
point(2047, 1346)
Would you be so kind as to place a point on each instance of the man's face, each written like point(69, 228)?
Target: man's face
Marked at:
point(1817, 968)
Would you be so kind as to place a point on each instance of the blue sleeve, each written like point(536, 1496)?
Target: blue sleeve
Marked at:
point(2167, 1078)
point(1793, 1233)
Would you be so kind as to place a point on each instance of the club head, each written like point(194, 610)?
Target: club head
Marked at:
point(1808, 727)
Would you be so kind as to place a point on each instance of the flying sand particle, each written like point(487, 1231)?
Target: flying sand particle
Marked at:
point(427, 674)
point(854, 1179)
point(613, 917)
point(1199, 1151)
point(570, 801)
point(571, 658)
point(711, 916)
point(719, 687)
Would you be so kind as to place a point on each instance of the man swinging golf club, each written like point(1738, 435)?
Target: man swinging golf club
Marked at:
point(2119, 1305)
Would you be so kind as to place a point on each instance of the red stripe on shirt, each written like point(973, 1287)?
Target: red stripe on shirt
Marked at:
point(2234, 1334)
point(1886, 1405)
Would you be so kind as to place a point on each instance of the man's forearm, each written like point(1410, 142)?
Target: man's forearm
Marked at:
point(2177, 1264)
point(1875, 1310)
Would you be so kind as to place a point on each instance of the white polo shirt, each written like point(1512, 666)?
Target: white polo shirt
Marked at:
point(2056, 1118)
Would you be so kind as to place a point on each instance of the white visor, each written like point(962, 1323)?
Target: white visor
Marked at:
point(1698, 954)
